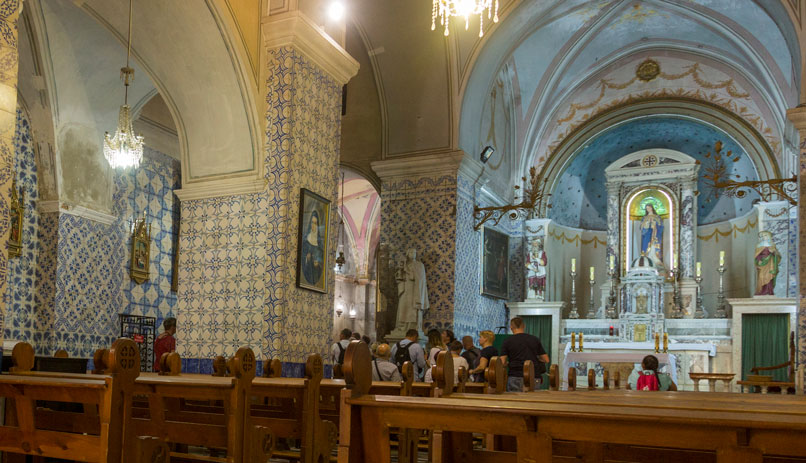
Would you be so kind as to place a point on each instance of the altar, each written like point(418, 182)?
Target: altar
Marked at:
point(650, 275)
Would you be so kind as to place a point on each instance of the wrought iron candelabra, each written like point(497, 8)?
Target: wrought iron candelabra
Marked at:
point(700, 312)
point(721, 304)
point(574, 313)
point(610, 311)
point(591, 304)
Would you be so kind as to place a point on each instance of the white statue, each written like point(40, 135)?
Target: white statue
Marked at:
point(536, 262)
point(412, 293)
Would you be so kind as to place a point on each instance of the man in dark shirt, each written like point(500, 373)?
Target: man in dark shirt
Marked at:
point(519, 348)
point(471, 353)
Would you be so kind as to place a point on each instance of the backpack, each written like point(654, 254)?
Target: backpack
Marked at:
point(402, 355)
point(647, 382)
point(342, 350)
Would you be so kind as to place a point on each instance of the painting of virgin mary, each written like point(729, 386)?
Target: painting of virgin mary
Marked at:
point(313, 238)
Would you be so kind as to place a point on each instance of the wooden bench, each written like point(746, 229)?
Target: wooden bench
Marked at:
point(678, 422)
point(712, 378)
point(170, 415)
point(98, 434)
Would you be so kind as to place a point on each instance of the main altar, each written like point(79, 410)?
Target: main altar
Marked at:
point(653, 280)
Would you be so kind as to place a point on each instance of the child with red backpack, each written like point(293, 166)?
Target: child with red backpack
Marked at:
point(648, 379)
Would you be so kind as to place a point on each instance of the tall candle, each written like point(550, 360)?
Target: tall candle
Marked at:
point(657, 343)
point(612, 261)
point(573, 342)
point(573, 265)
point(674, 262)
point(665, 342)
point(592, 273)
point(699, 269)
point(721, 258)
point(580, 341)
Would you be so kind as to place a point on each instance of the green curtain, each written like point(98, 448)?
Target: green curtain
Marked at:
point(765, 343)
point(540, 326)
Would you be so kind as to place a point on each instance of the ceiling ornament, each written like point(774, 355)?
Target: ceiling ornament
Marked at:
point(718, 178)
point(531, 203)
point(444, 9)
point(124, 149)
point(647, 71)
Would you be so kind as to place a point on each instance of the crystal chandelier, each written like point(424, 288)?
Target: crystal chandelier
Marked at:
point(124, 149)
point(444, 9)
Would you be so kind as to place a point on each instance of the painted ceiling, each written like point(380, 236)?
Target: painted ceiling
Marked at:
point(580, 198)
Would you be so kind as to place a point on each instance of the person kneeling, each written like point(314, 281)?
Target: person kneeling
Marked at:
point(649, 379)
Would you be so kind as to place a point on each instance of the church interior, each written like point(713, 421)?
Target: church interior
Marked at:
point(203, 201)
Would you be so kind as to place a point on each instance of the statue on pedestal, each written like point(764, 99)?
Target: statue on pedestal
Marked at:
point(536, 263)
point(652, 234)
point(412, 294)
point(767, 261)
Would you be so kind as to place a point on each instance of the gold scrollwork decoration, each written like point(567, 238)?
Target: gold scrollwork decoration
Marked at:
point(648, 70)
point(717, 177)
point(734, 230)
point(530, 204)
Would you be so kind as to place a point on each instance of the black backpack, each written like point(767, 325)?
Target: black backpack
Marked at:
point(402, 355)
point(342, 350)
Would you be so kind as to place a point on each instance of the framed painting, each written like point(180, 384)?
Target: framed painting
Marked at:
point(141, 251)
point(16, 215)
point(312, 243)
point(495, 264)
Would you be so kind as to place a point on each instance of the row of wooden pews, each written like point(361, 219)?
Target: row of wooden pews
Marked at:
point(596, 425)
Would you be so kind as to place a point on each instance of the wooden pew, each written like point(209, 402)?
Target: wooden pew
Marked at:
point(677, 422)
point(168, 418)
point(68, 435)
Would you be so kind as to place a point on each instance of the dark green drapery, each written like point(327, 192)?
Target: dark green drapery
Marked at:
point(765, 343)
point(536, 325)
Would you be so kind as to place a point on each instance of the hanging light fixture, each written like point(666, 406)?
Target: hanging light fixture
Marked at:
point(444, 9)
point(124, 149)
point(340, 260)
point(339, 306)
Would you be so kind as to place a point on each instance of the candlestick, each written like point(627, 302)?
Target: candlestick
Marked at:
point(665, 342)
point(573, 342)
point(574, 313)
point(721, 304)
point(677, 306)
point(721, 258)
point(580, 341)
point(699, 268)
point(699, 312)
point(657, 343)
point(591, 304)
point(611, 310)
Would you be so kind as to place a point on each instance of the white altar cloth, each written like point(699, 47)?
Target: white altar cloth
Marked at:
point(648, 347)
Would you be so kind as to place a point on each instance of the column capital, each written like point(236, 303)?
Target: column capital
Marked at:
point(444, 162)
point(798, 117)
point(297, 30)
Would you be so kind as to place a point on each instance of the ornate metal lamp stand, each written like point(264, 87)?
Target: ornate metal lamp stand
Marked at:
point(591, 305)
point(721, 305)
point(574, 314)
point(700, 312)
point(610, 311)
point(677, 309)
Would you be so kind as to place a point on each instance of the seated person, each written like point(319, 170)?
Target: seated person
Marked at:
point(649, 379)
point(455, 348)
point(487, 352)
point(382, 368)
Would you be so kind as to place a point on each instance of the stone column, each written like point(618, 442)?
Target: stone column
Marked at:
point(9, 13)
point(613, 202)
point(688, 247)
point(798, 117)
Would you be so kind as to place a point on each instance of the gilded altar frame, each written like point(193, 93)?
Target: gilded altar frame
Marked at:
point(628, 195)
point(16, 216)
point(140, 255)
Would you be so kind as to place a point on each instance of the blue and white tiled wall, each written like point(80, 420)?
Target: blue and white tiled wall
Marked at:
point(237, 283)
point(71, 282)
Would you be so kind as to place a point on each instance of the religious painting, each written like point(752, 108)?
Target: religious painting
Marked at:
point(312, 248)
point(495, 264)
point(16, 215)
point(650, 227)
point(140, 251)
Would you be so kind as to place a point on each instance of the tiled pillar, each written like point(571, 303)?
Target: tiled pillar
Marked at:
point(238, 252)
point(798, 118)
point(9, 13)
point(613, 198)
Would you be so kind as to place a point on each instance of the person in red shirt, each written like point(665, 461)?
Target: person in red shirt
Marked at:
point(165, 342)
